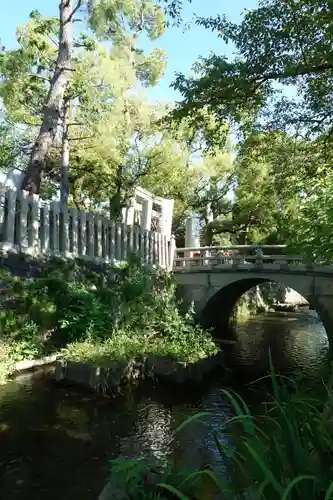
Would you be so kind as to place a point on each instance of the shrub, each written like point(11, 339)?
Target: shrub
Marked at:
point(6, 362)
point(100, 312)
point(144, 318)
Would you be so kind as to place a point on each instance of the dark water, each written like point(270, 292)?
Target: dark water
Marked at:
point(56, 442)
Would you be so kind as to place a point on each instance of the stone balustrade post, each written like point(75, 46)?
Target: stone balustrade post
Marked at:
point(259, 257)
point(147, 209)
point(192, 234)
point(130, 212)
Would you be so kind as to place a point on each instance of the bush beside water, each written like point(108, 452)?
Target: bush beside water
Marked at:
point(95, 315)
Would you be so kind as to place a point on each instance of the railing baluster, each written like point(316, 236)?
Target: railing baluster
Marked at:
point(44, 228)
point(90, 236)
point(130, 243)
point(63, 229)
point(54, 223)
point(162, 262)
point(23, 220)
point(146, 246)
point(136, 240)
point(118, 254)
point(98, 237)
point(111, 241)
point(73, 236)
point(123, 242)
point(82, 243)
point(9, 226)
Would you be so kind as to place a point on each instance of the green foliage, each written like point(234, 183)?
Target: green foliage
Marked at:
point(285, 453)
point(279, 41)
point(137, 316)
point(6, 362)
point(98, 84)
point(131, 477)
point(121, 312)
point(140, 479)
point(11, 145)
point(275, 89)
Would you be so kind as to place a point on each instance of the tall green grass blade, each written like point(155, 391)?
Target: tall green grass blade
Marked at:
point(213, 476)
point(268, 474)
point(247, 422)
point(275, 385)
point(294, 483)
point(223, 452)
point(174, 491)
point(261, 489)
point(246, 409)
point(194, 418)
point(329, 492)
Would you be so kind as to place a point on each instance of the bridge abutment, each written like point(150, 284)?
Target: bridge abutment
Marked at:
point(323, 305)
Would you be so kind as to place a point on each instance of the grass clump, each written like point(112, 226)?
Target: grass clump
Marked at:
point(286, 453)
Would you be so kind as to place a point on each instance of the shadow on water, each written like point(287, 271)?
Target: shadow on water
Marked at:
point(56, 441)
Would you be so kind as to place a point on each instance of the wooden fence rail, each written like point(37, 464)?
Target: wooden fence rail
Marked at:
point(33, 226)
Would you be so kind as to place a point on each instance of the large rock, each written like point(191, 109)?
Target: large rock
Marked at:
point(98, 377)
point(166, 368)
point(123, 372)
point(112, 492)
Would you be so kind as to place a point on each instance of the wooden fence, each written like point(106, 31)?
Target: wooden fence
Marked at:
point(30, 225)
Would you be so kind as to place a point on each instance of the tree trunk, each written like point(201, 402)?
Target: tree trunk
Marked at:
point(64, 188)
point(54, 101)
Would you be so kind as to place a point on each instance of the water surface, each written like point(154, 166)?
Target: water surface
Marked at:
point(56, 441)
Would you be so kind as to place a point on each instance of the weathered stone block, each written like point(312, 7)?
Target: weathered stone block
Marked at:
point(124, 372)
point(166, 368)
point(112, 492)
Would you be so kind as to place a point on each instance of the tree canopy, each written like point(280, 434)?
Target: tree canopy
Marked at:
point(248, 147)
point(276, 94)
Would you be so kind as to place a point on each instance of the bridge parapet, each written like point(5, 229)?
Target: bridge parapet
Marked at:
point(243, 258)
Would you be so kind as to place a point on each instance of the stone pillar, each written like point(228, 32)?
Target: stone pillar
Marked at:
point(192, 236)
point(130, 211)
point(147, 209)
point(192, 231)
point(166, 216)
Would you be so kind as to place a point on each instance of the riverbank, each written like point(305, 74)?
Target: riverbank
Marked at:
point(95, 314)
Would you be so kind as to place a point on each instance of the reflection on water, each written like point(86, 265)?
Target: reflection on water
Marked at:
point(297, 342)
point(56, 442)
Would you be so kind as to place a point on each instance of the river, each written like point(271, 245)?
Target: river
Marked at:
point(56, 442)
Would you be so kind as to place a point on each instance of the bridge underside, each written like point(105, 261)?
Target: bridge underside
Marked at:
point(218, 310)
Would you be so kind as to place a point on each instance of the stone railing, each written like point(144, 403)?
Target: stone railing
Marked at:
point(226, 257)
point(35, 227)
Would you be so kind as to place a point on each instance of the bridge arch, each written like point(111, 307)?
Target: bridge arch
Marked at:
point(217, 311)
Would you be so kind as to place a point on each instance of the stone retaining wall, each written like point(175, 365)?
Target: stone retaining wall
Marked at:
point(124, 372)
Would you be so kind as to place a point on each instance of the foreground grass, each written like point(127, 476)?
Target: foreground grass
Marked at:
point(286, 453)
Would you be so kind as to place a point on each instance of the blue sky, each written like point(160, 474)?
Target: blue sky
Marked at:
point(182, 48)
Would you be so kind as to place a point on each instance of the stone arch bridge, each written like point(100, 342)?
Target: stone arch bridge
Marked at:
point(214, 279)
